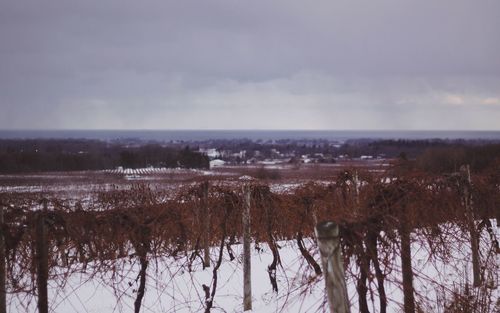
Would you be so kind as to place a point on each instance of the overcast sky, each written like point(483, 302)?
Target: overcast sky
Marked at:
point(210, 64)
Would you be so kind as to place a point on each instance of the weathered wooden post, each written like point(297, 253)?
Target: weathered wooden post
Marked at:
point(406, 268)
point(327, 234)
point(474, 236)
point(205, 224)
point(247, 278)
point(357, 184)
point(3, 302)
point(42, 263)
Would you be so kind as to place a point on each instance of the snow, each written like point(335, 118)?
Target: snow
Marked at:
point(171, 287)
point(246, 178)
point(216, 163)
point(283, 188)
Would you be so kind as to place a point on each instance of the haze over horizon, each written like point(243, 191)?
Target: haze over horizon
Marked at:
point(220, 64)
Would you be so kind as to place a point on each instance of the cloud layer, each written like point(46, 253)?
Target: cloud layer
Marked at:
point(261, 64)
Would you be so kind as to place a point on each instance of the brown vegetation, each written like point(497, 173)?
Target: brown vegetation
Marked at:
point(376, 214)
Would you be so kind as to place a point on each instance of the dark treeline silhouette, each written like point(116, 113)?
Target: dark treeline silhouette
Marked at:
point(450, 159)
point(33, 155)
point(404, 147)
point(439, 156)
point(391, 148)
point(17, 156)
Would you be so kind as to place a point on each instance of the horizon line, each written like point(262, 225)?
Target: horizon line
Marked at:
point(248, 129)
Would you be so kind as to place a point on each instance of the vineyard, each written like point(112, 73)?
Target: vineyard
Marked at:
point(142, 239)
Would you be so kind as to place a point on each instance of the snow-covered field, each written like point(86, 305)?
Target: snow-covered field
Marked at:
point(171, 287)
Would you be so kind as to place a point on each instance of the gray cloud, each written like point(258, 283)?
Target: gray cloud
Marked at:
point(260, 64)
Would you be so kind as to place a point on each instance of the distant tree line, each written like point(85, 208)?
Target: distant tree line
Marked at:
point(432, 155)
point(17, 156)
point(403, 147)
point(450, 159)
point(439, 156)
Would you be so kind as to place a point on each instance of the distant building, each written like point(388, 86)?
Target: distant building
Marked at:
point(212, 153)
point(216, 163)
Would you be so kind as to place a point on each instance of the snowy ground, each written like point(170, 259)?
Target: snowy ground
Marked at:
point(171, 287)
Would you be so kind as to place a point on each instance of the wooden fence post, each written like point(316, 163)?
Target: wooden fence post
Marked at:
point(205, 224)
point(406, 268)
point(3, 300)
point(327, 234)
point(247, 278)
point(42, 263)
point(469, 214)
point(357, 184)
